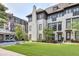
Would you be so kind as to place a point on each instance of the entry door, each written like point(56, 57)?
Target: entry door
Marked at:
point(59, 37)
point(68, 35)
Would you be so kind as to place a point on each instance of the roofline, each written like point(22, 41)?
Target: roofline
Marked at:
point(56, 11)
point(37, 13)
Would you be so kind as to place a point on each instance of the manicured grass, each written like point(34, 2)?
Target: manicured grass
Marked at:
point(43, 49)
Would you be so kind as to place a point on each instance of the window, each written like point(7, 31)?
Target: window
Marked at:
point(40, 36)
point(68, 35)
point(30, 19)
point(54, 26)
point(30, 27)
point(76, 11)
point(77, 35)
point(68, 23)
point(40, 26)
point(40, 16)
point(7, 37)
point(49, 25)
point(74, 21)
point(30, 36)
point(60, 26)
point(55, 8)
point(53, 19)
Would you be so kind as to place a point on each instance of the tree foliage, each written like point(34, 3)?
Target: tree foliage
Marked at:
point(3, 14)
point(75, 25)
point(20, 33)
point(48, 33)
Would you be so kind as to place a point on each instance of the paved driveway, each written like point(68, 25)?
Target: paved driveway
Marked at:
point(7, 43)
point(4, 52)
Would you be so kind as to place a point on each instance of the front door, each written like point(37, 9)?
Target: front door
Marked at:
point(59, 36)
point(68, 35)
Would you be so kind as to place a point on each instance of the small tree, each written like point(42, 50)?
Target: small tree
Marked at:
point(75, 26)
point(18, 32)
point(48, 32)
point(24, 36)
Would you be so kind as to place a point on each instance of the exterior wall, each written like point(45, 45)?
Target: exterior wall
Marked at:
point(8, 29)
point(43, 22)
point(35, 24)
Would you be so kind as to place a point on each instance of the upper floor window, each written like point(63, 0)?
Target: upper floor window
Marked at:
point(59, 25)
point(55, 8)
point(40, 16)
point(40, 26)
point(49, 25)
point(68, 23)
point(49, 17)
point(29, 19)
point(54, 26)
point(75, 22)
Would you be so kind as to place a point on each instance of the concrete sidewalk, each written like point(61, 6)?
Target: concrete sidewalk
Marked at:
point(4, 52)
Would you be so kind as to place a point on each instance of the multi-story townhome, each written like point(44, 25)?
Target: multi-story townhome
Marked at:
point(59, 17)
point(7, 32)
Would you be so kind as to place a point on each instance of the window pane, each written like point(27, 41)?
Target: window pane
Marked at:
point(68, 24)
point(59, 26)
point(40, 26)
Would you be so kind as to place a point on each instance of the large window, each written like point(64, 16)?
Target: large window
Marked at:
point(30, 19)
point(53, 26)
point(68, 23)
point(77, 35)
point(60, 26)
point(75, 22)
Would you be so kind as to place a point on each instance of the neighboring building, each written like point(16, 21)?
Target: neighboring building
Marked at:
point(58, 17)
point(7, 32)
point(13, 21)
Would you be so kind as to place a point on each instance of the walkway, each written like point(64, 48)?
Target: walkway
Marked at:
point(4, 52)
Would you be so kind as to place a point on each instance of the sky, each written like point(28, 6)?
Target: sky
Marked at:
point(21, 10)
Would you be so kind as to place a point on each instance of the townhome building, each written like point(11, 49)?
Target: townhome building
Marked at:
point(58, 17)
point(7, 30)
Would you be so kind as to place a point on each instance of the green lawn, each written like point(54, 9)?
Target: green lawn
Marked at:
point(43, 49)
